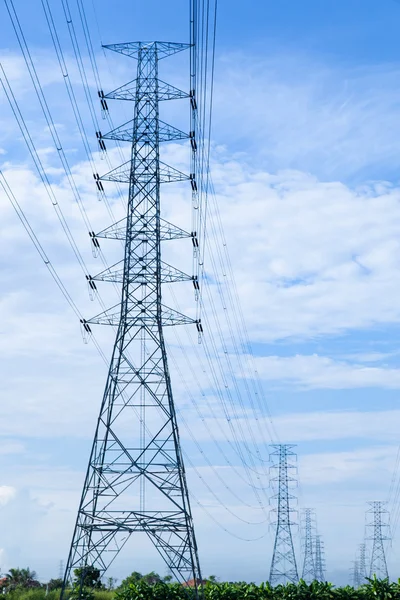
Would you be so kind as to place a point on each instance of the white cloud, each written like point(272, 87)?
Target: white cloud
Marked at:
point(305, 285)
point(11, 447)
point(369, 357)
point(322, 372)
point(295, 278)
point(352, 425)
point(369, 467)
point(7, 493)
point(295, 111)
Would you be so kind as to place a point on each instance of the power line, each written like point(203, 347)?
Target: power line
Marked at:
point(34, 239)
point(232, 440)
point(45, 108)
point(212, 436)
point(75, 107)
point(44, 257)
point(40, 168)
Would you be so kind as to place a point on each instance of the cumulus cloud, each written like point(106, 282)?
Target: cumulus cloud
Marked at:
point(319, 372)
point(293, 274)
point(7, 493)
point(353, 426)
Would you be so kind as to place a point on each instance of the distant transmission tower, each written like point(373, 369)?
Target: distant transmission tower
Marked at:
point(308, 573)
point(362, 562)
point(135, 480)
point(378, 536)
point(355, 574)
point(319, 559)
point(283, 565)
point(359, 567)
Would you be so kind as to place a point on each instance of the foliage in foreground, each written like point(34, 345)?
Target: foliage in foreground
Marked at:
point(153, 587)
point(42, 594)
point(373, 590)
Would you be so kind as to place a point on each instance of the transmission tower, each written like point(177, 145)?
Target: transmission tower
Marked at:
point(319, 559)
point(355, 574)
point(362, 562)
point(283, 565)
point(378, 536)
point(135, 480)
point(309, 527)
point(359, 567)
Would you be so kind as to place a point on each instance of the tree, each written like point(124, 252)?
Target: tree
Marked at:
point(55, 584)
point(24, 578)
point(134, 577)
point(87, 576)
point(152, 578)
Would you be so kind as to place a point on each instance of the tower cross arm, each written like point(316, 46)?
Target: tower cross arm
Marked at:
point(163, 49)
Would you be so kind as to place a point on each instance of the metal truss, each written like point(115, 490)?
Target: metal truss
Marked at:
point(362, 563)
point(309, 528)
point(283, 565)
point(378, 558)
point(319, 559)
point(135, 480)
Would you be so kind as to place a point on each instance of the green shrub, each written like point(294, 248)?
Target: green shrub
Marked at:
point(143, 589)
point(317, 590)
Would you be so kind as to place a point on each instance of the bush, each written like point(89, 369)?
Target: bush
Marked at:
point(372, 590)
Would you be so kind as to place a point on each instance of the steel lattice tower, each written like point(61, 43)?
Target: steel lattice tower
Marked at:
point(283, 565)
point(319, 559)
point(135, 480)
point(355, 576)
point(308, 573)
point(362, 562)
point(378, 558)
point(360, 566)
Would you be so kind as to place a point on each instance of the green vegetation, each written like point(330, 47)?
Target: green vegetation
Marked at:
point(21, 584)
point(372, 590)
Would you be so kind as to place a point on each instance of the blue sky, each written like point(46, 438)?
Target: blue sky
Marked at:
point(305, 162)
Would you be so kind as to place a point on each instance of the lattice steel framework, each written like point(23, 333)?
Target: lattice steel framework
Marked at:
point(135, 480)
point(319, 559)
point(362, 562)
point(309, 533)
point(355, 574)
point(360, 566)
point(378, 559)
point(283, 565)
